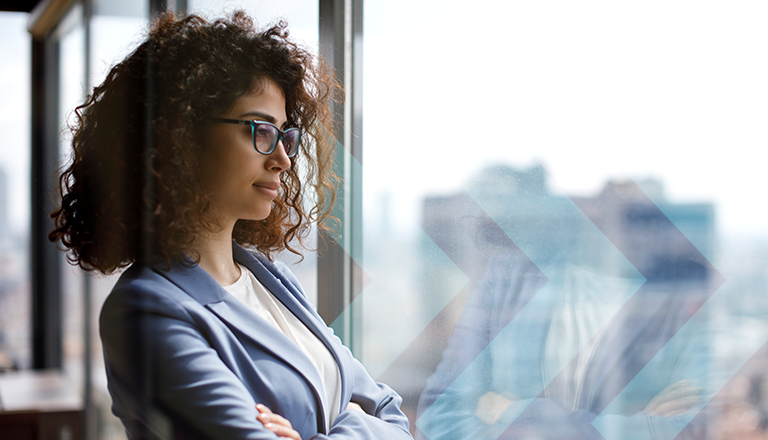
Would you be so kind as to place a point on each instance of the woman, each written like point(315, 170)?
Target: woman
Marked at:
point(197, 146)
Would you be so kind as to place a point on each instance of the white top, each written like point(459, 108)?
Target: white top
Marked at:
point(585, 304)
point(253, 294)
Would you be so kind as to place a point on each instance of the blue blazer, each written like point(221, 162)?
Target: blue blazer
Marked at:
point(185, 359)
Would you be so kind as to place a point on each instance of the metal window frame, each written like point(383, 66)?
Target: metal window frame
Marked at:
point(339, 273)
point(45, 268)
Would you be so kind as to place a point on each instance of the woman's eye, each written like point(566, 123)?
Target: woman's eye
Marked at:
point(262, 132)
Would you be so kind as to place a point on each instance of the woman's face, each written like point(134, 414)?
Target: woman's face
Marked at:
point(242, 181)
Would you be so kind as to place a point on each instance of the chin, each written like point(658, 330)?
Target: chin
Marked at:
point(261, 215)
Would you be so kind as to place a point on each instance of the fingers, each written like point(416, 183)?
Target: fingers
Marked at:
point(674, 399)
point(282, 431)
point(677, 406)
point(274, 419)
point(276, 423)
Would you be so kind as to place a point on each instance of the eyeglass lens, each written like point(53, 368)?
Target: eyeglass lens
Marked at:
point(265, 138)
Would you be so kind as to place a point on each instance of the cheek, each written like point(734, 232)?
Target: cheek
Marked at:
point(223, 178)
point(218, 168)
point(208, 174)
point(217, 177)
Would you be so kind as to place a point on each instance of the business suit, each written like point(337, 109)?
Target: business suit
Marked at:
point(184, 356)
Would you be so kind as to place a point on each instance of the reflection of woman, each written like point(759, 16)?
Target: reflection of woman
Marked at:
point(197, 144)
point(560, 356)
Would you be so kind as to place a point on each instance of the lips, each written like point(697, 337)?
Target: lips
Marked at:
point(269, 185)
point(268, 188)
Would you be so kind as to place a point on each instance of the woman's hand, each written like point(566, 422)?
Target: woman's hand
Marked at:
point(491, 406)
point(276, 423)
point(674, 399)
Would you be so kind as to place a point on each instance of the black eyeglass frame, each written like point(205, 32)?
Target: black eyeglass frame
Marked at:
point(280, 134)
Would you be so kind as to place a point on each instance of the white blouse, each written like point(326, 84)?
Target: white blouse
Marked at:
point(253, 294)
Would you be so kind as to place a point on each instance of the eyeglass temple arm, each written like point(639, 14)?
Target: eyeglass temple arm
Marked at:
point(232, 121)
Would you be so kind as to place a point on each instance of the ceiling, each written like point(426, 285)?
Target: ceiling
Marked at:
point(18, 5)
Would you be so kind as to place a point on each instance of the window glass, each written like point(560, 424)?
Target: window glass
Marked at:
point(302, 19)
point(301, 15)
point(15, 311)
point(117, 28)
point(564, 227)
point(71, 41)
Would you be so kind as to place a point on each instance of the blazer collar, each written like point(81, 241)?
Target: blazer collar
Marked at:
point(193, 280)
point(198, 284)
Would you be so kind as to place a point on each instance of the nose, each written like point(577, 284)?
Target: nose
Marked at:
point(278, 159)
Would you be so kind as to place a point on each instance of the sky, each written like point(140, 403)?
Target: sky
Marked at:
point(591, 90)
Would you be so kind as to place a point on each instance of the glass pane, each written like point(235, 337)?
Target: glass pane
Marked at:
point(301, 15)
point(302, 19)
point(117, 29)
point(578, 247)
point(15, 301)
point(71, 93)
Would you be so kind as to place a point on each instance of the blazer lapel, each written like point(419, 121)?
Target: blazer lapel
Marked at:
point(198, 284)
point(242, 319)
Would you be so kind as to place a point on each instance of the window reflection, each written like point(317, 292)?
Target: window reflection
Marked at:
point(586, 306)
point(586, 316)
point(508, 301)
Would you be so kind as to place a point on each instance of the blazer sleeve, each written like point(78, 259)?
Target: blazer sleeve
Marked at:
point(383, 419)
point(165, 378)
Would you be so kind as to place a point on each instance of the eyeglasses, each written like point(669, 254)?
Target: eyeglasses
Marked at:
point(266, 136)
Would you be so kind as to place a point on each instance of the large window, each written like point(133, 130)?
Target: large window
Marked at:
point(563, 217)
point(563, 231)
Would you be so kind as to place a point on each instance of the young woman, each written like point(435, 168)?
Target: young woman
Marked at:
point(191, 164)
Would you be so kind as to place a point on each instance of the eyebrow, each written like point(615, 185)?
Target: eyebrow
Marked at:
point(260, 116)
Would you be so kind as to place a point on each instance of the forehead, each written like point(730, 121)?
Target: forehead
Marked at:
point(264, 97)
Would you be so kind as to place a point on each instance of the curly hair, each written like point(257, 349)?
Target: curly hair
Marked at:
point(132, 191)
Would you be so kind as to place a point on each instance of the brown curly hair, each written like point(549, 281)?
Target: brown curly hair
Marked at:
point(132, 191)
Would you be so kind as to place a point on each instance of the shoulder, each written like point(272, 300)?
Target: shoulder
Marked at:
point(142, 289)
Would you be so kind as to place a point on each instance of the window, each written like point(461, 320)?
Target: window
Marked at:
point(543, 180)
point(562, 220)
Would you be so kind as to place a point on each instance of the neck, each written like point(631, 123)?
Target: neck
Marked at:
point(215, 251)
